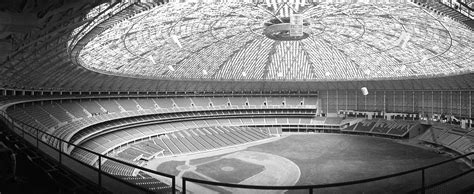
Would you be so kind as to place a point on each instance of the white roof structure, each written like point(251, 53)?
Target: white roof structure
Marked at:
point(238, 46)
point(400, 41)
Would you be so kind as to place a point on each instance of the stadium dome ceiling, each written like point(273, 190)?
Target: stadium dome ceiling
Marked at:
point(51, 54)
point(238, 41)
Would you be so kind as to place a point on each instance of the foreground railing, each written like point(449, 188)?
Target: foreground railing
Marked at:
point(423, 184)
point(433, 178)
point(94, 174)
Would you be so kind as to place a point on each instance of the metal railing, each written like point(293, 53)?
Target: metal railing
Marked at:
point(97, 175)
point(423, 186)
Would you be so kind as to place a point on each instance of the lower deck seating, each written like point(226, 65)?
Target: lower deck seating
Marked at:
point(333, 120)
point(91, 127)
point(109, 105)
point(201, 139)
point(128, 104)
point(116, 168)
point(274, 131)
point(453, 137)
point(134, 176)
point(148, 182)
point(382, 127)
point(146, 103)
point(173, 143)
point(56, 113)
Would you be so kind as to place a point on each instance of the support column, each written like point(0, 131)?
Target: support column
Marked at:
point(356, 103)
point(470, 104)
point(375, 100)
point(451, 103)
point(327, 102)
point(346, 100)
point(393, 93)
point(432, 103)
point(384, 102)
point(441, 99)
point(423, 102)
point(460, 104)
point(337, 101)
point(365, 103)
point(403, 100)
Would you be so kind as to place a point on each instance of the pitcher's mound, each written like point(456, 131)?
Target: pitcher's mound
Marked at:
point(227, 168)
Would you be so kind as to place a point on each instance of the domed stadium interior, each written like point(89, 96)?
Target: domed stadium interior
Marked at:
point(236, 96)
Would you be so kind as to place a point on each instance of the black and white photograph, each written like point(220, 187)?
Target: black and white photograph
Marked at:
point(237, 96)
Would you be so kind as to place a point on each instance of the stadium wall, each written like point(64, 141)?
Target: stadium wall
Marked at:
point(458, 103)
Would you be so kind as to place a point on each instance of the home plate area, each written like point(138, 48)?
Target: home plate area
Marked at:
point(243, 167)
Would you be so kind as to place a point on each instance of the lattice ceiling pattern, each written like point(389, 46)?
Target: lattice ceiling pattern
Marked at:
point(224, 41)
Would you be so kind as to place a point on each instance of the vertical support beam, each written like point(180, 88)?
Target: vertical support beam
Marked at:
point(365, 103)
point(173, 185)
point(183, 185)
point(441, 105)
point(413, 102)
point(403, 104)
point(423, 181)
point(356, 103)
point(393, 93)
point(327, 102)
point(384, 103)
point(375, 100)
point(470, 104)
point(100, 171)
point(432, 103)
point(337, 101)
point(423, 102)
point(460, 104)
point(451, 103)
point(346, 105)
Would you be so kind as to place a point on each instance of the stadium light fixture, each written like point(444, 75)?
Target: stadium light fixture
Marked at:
point(171, 68)
point(204, 72)
point(280, 74)
point(367, 72)
point(176, 41)
point(151, 59)
point(403, 40)
point(327, 73)
point(244, 74)
point(423, 60)
point(403, 67)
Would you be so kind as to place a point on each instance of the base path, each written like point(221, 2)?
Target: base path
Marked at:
point(278, 171)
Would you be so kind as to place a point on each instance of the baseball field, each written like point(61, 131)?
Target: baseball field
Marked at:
point(314, 159)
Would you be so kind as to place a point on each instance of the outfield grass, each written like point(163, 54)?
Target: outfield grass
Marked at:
point(332, 158)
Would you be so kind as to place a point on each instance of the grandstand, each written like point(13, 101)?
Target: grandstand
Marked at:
point(151, 96)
